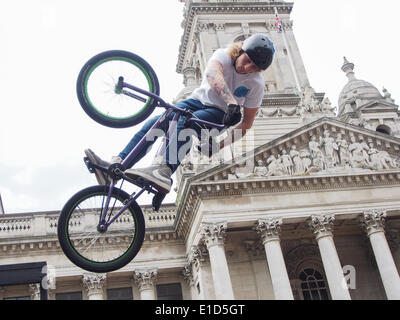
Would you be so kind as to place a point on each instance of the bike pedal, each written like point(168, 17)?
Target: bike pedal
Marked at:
point(88, 164)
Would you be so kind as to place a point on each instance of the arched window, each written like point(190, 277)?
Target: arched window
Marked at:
point(383, 129)
point(313, 285)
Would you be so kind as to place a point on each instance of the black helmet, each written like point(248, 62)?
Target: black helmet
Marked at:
point(260, 50)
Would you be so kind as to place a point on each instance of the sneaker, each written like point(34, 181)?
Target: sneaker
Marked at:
point(102, 177)
point(159, 176)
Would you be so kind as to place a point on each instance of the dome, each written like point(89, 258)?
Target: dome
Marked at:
point(356, 89)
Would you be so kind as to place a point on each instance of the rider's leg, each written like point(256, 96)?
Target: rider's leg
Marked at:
point(160, 175)
point(181, 142)
point(143, 131)
point(103, 178)
point(138, 136)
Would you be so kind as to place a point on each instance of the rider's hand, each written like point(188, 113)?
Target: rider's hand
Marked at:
point(233, 115)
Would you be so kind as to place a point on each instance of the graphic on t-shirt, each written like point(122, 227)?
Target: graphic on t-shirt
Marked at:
point(241, 92)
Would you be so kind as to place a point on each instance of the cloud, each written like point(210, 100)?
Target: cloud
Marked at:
point(40, 188)
point(20, 202)
point(47, 187)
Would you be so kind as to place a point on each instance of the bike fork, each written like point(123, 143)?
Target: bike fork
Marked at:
point(103, 223)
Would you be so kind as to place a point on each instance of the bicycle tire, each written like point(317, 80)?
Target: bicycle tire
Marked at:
point(131, 66)
point(70, 232)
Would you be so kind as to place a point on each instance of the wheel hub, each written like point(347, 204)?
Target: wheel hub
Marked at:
point(101, 228)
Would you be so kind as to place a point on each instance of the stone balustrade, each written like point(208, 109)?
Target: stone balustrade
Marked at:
point(44, 224)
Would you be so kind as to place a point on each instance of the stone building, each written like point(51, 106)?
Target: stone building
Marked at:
point(307, 208)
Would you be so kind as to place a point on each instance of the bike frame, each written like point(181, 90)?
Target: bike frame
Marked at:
point(179, 112)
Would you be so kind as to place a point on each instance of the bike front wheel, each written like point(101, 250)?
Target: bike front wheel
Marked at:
point(99, 93)
point(90, 248)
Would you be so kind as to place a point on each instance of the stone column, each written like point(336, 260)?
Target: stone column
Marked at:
point(145, 280)
point(262, 277)
point(214, 238)
point(269, 231)
point(322, 227)
point(34, 291)
point(94, 284)
point(373, 222)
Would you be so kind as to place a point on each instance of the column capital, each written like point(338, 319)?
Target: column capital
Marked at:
point(322, 225)
point(197, 255)
point(373, 221)
point(145, 279)
point(188, 274)
point(269, 229)
point(94, 282)
point(213, 234)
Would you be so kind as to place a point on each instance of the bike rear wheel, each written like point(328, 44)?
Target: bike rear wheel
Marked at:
point(98, 93)
point(85, 245)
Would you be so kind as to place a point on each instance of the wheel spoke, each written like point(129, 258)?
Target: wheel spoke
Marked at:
point(87, 242)
point(101, 85)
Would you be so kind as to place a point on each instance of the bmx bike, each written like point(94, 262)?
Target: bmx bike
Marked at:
point(117, 89)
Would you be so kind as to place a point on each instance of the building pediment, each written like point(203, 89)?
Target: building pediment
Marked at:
point(378, 107)
point(326, 147)
point(324, 155)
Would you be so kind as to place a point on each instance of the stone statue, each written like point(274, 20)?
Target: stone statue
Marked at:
point(306, 159)
point(274, 168)
point(297, 162)
point(358, 154)
point(375, 161)
point(387, 96)
point(326, 107)
point(343, 151)
point(287, 162)
point(314, 147)
point(260, 170)
point(365, 149)
point(331, 149)
point(387, 161)
point(315, 105)
point(364, 124)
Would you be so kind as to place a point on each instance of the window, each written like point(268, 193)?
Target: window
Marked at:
point(172, 291)
point(69, 296)
point(313, 285)
point(383, 129)
point(120, 294)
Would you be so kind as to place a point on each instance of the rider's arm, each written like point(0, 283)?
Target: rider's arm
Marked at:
point(248, 120)
point(215, 77)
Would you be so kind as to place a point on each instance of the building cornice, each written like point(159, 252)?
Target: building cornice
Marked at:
point(198, 191)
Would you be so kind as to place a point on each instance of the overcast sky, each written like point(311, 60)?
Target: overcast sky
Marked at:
point(44, 43)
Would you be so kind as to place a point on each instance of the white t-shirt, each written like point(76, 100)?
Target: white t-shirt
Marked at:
point(248, 89)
